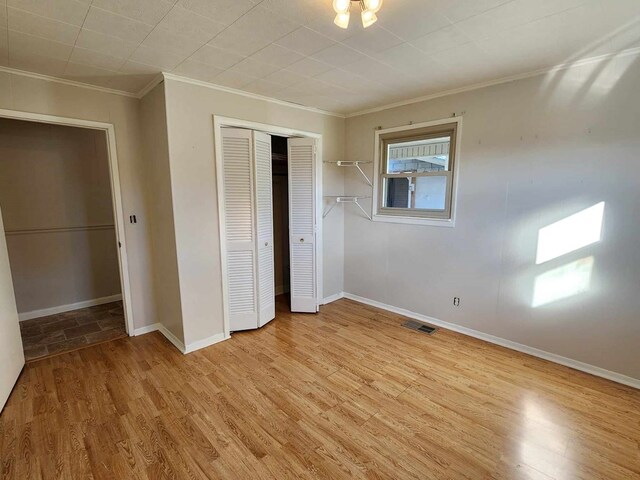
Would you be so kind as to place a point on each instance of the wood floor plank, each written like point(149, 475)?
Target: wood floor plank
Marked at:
point(344, 394)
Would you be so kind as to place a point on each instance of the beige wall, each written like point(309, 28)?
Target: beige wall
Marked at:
point(27, 94)
point(190, 111)
point(54, 178)
point(163, 241)
point(533, 152)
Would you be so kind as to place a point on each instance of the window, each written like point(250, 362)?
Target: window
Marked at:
point(415, 177)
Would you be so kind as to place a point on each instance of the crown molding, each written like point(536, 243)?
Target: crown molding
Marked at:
point(64, 81)
point(255, 96)
point(476, 86)
point(499, 81)
point(158, 79)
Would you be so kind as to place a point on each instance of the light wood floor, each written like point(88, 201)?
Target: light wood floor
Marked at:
point(347, 393)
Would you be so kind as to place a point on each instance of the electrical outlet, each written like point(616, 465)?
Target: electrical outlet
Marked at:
point(456, 301)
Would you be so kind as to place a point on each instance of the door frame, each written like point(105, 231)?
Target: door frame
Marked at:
point(220, 122)
point(116, 193)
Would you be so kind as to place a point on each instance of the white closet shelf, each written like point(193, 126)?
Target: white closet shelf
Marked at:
point(356, 164)
point(340, 199)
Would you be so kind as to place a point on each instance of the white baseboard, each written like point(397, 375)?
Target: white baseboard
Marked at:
point(192, 347)
point(332, 298)
point(146, 329)
point(45, 312)
point(552, 357)
point(206, 342)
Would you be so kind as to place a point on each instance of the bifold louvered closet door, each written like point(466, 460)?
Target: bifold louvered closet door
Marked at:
point(264, 221)
point(248, 221)
point(302, 231)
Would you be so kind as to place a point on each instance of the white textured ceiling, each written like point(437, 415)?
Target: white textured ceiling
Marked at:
point(291, 50)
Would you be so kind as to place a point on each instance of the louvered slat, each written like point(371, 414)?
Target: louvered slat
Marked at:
point(240, 281)
point(237, 188)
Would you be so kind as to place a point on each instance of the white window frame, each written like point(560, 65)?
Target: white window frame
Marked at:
point(415, 218)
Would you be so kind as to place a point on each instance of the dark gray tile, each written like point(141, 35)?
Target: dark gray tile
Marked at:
point(37, 351)
point(42, 320)
point(30, 331)
point(106, 335)
point(59, 325)
point(74, 332)
point(112, 322)
point(67, 345)
point(44, 338)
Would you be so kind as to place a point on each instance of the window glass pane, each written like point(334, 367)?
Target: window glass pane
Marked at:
point(397, 192)
point(420, 193)
point(419, 156)
point(430, 193)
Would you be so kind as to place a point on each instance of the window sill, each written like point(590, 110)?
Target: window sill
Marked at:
point(431, 222)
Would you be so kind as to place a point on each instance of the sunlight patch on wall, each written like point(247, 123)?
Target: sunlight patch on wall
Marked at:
point(563, 282)
point(570, 234)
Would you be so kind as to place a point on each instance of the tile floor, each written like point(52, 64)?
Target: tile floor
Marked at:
point(68, 331)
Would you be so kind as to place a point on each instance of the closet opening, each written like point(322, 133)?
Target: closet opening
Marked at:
point(269, 185)
point(280, 189)
point(58, 198)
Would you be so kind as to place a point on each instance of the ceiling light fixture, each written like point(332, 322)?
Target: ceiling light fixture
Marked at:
point(368, 15)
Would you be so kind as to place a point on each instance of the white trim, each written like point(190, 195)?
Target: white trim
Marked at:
point(64, 81)
point(255, 96)
point(552, 357)
point(154, 327)
point(424, 98)
point(45, 312)
point(432, 222)
point(218, 123)
point(116, 194)
point(332, 298)
point(171, 337)
point(192, 347)
point(497, 81)
point(158, 327)
point(157, 80)
point(206, 342)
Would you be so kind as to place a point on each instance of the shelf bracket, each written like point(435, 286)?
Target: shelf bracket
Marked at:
point(341, 200)
point(363, 210)
point(344, 163)
point(364, 174)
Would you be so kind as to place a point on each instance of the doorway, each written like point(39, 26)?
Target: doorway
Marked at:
point(245, 182)
point(63, 225)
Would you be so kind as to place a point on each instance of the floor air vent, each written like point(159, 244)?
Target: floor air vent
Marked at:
point(420, 327)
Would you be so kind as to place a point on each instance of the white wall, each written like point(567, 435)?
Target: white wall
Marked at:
point(55, 196)
point(11, 354)
point(27, 94)
point(190, 110)
point(163, 240)
point(533, 152)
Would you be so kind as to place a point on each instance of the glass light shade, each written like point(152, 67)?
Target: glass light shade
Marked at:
point(373, 5)
point(368, 18)
point(342, 19)
point(341, 6)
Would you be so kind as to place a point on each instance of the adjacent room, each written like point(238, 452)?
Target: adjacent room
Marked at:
point(56, 200)
point(320, 239)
